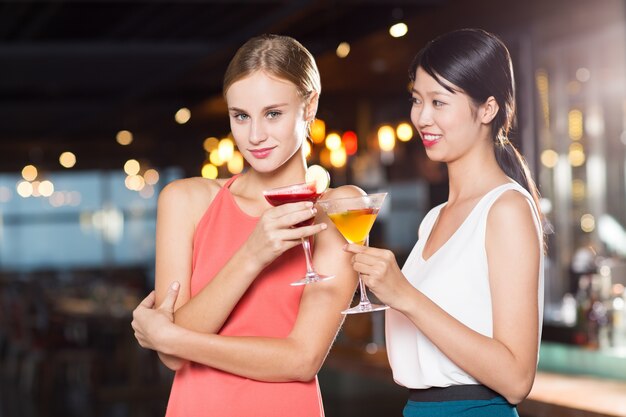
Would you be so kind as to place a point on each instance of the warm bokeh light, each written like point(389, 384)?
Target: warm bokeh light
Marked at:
point(587, 223)
point(226, 149)
point(398, 30)
point(549, 158)
point(46, 188)
point(575, 124)
point(210, 144)
point(576, 154)
point(151, 176)
point(386, 138)
point(543, 86)
point(343, 50)
point(67, 159)
point(325, 157)
point(350, 142)
point(209, 171)
point(235, 164)
point(24, 189)
point(578, 190)
point(333, 141)
point(306, 148)
point(134, 182)
point(318, 131)
point(132, 167)
point(182, 116)
point(216, 159)
point(404, 131)
point(124, 137)
point(36, 192)
point(338, 157)
point(29, 172)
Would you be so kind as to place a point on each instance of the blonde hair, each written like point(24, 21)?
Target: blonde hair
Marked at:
point(279, 56)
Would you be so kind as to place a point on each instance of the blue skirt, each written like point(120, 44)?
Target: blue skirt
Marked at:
point(495, 407)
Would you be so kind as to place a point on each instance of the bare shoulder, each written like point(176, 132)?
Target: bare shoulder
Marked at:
point(512, 215)
point(189, 196)
point(511, 206)
point(344, 191)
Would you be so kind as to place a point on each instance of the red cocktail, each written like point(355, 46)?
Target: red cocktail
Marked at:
point(293, 194)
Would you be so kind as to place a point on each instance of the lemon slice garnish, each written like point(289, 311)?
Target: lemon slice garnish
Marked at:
point(316, 174)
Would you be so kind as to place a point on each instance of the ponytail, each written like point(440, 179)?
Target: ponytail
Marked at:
point(515, 167)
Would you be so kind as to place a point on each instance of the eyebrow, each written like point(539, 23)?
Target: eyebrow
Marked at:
point(266, 108)
point(433, 92)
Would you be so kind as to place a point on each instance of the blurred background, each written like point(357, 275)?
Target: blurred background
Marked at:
point(102, 103)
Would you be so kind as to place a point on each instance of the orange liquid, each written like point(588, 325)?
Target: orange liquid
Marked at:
point(354, 225)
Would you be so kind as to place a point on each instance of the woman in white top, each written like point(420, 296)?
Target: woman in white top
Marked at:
point(464, 326)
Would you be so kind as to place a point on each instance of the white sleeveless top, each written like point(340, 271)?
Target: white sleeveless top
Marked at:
point(455, 277)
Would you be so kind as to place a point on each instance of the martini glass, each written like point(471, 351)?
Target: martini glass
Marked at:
point(292, 194)
point(354, 218)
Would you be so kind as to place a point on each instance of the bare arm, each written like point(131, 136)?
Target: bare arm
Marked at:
point(181, 206)
point(513, 271)
point(207, 311)
point(176, 221)
point(296, 357)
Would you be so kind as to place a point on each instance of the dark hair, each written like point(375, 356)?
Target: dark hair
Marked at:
point(479, 64)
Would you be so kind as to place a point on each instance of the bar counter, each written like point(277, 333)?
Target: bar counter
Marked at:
point(559, 395)
point(553, 394)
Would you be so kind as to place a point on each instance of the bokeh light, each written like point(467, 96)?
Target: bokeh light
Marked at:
point(67, 159)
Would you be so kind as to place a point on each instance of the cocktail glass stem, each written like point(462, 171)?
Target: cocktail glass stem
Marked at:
point(364, 298)
point(311, 275)
point(365, 305)
point(306, 245)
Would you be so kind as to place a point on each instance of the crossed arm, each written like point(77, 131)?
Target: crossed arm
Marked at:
point(197, 319)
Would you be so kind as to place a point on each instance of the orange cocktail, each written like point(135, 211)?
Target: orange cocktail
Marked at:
point(354, 217)
point(355, 224)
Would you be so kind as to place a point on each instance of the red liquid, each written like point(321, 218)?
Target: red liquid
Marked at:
point(294, 195)
point(304, 195)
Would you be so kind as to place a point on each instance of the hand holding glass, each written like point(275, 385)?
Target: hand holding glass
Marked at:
point(354, 218)
point(292, 194)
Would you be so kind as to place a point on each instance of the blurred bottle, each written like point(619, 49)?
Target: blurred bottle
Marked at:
point(568, 310)
point(618, 316)
point(598, 323)
point(583, 306)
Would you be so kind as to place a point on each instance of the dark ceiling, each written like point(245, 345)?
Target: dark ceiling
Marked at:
point(72, 74)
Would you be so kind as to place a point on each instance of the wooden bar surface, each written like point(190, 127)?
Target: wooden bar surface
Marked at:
point(558, 395)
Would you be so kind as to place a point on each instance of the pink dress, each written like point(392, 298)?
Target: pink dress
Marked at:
point(268, 309)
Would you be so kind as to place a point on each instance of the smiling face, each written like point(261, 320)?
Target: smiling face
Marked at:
point(268, 119)
point(449, 123)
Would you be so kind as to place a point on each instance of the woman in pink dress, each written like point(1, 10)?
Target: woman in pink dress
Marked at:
point(242, 340)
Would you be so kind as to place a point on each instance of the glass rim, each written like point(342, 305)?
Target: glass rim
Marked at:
point(375, 195)
point(284, 187)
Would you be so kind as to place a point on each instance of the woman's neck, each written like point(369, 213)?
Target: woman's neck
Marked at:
point(473, 175)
